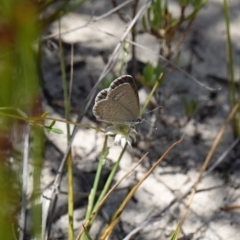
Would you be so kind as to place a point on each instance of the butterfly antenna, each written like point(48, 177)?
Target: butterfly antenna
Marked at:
point(149, 123)
point(149, 112)
point(153, 110)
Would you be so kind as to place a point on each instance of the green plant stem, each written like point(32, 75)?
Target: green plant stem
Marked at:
point(70, 197)
point(93, 192)
point(37, 156)
point(110, 177)
point(230, 66)
point(107, 186)
point(133, 32)
point(230, 53)
point(155, 87)
point(97, 178)
point(69, 158)
point(124, 56)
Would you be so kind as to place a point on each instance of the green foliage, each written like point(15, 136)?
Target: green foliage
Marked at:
point(175, 233)
point(194, 3)
point(87, 234)
point(150, 75)
point(190, 106)
point(184, 3)
point(233, 82)
point(45, 114)
point(160, 23)
point(157, 18)
point(106, 83)
point(20, 101)
point(51, 129)
point(18, 88)
point(156, 14)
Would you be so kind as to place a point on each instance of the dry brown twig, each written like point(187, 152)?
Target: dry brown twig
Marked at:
point(158, 216)
point(117, 215)
point(206, 163)
point(97, 209)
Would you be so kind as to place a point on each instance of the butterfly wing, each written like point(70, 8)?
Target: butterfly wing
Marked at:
point(110, 111)
point(125, 79)
point(119, 103)
point(101, 95)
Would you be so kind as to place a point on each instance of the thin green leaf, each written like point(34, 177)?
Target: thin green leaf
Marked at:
point(175, 233)
point(144, 24)
point(45, 114)
point(52, 124)
point(21, 113)
point(87, 233)
point(56, 130)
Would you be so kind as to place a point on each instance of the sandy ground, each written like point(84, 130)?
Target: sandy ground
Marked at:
point(204, 51)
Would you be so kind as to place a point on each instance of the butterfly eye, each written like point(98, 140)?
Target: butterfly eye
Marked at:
point(139, 120)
